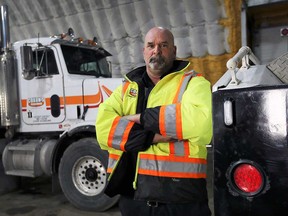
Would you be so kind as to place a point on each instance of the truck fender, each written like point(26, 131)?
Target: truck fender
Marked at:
point(66, 139)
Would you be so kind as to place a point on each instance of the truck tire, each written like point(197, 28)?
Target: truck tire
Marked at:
point(83, 176)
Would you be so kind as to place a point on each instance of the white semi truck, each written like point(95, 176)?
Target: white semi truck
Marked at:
point(50, 91)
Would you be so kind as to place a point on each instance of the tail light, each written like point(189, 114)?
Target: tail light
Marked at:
point(284, 32)
point(246, 178)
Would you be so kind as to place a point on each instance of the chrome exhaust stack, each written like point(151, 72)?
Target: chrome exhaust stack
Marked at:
point(5, 33)
point(9, 99)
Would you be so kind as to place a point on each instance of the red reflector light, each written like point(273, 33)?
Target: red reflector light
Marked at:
point(284, 32)
point(248, 178)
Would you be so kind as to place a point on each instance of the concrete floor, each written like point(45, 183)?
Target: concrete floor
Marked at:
point(35, 198)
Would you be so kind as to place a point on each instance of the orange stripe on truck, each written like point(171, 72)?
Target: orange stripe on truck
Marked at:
point(78, 99)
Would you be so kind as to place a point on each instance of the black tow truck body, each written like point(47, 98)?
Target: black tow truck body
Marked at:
point(250, 118)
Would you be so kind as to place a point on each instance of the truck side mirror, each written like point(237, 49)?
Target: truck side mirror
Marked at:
point(27, 62)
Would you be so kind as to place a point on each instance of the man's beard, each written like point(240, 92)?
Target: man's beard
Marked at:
point(157, 62)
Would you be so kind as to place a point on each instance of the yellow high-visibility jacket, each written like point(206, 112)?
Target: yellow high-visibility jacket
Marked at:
point(179, 105)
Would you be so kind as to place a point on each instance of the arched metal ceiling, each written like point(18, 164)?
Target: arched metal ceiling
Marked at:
point(120, 25)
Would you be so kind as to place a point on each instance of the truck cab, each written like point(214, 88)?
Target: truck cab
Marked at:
point(64, 84)
point(50, 91)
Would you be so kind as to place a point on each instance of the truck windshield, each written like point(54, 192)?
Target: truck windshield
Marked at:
point(84, 61)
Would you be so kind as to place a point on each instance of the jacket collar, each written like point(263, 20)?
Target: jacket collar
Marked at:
point(137, 73)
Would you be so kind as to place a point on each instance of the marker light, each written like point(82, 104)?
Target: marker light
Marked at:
point(248, 178)
point(80, 40)
point(284, 32)
point(228, 112)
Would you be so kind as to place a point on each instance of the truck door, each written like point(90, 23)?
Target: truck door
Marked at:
point(42, 96)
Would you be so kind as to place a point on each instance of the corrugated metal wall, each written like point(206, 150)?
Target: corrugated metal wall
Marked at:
point(206, 31)
point(213, 66)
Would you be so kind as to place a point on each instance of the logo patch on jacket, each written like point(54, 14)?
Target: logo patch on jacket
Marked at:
point(133, 92)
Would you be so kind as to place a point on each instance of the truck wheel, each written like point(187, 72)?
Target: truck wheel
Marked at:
point(83, 177)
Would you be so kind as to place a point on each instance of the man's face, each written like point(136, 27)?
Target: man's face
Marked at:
point(159, 51)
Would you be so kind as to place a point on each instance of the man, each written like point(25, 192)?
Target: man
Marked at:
point(156, 127)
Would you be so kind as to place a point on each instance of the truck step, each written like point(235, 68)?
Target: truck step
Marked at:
point(24, 173)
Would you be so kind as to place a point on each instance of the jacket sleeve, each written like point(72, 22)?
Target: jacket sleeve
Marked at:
point(114, 131)
point(189, 119)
